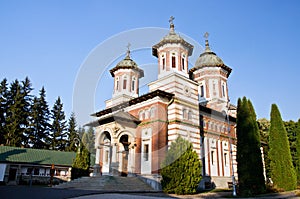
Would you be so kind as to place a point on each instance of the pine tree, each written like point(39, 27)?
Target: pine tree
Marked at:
point(39, 123)
point(58, 127)
point(282, 171)
point(18, 111)
point(181, 168)
point(72, 133)
point(3, 109)
point(251, 181)
point(88, 140)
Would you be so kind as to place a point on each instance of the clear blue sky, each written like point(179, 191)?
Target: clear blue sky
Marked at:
point(48, 41)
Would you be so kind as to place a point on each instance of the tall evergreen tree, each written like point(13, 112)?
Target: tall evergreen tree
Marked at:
point(58, 127)
point(88, 140)
point(251, 181)
point(291, 130)
point(282, 171)
point(18, 110)
point(181, 168)
point(39, 123)
point(72, 133)
point(3, 109)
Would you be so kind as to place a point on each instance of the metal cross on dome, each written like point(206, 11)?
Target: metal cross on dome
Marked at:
point(206, 35)
point(128, 46)
point(128, 49)
point(171, 19)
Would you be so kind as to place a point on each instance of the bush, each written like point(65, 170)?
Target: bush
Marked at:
point(181, 169)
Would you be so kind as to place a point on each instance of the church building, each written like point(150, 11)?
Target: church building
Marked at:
point(134, 131)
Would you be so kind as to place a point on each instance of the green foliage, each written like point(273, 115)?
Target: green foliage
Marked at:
point(88, 139)
point(81, 163)
point(72, 133)
point(264, 127)
point(38, 131)
point(181, 169)
point(58, 128)
point(17, 113)
point(298, 152)
point(251, 181)
point(282, 171)
point(3, 109)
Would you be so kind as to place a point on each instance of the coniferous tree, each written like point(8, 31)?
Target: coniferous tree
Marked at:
point(81, 163)
point(18, 110)
point(39, 123)
point(291, 128)
point(181, 168)
point(72, 133)
point(58, 127)
point(282, 171)
point(3, 109)
point(251, 181)
point(88, 140)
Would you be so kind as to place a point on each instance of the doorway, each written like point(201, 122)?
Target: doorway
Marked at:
point(125, 143)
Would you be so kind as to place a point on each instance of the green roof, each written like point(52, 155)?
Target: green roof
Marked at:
point(36, 156)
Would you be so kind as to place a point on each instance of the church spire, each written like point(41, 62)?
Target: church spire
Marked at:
point(207, 48)
point(171, 24)
point(128, 51)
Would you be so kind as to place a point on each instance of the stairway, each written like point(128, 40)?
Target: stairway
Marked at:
point(108, 184)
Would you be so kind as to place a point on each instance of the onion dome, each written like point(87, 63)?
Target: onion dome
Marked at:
point(172, 37)
point(209, 59)
point(127, 63)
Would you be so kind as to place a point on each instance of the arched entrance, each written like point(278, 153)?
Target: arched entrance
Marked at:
point(125, 143)
point(105, 153)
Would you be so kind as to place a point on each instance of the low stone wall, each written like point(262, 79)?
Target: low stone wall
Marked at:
point(152, 180)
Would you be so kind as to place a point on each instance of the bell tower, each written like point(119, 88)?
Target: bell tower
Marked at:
point(126, 76)
point(172, 53)
point(211, 74)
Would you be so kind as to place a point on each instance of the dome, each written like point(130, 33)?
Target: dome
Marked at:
point(172, 37)
point(209, 59)
point(127, 63)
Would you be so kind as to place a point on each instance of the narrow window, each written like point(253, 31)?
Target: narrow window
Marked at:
point(173, 60)
point(223, 90)
point(133, 84)
point(225, 159)
point(163, 62)
point(124, 83)
point(152, 112)
point(201, 91)
point(184, 113)
point(212, 157)
point(146, 152)
point(117, 83)
point(183, 62)
point(190, 115)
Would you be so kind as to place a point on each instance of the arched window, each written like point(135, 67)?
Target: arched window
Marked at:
point(133, 83)
point(141, 115)
point(117, 84)
point(190, 115)
point(152, 112)
point(124, 82)
point(163, 61)
point(183, 61)
point(173, 60)
point(184, 114)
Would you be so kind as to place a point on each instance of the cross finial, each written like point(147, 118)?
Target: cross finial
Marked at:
point(171, 20)
point(128, 49)
point(206, 35)
point(128, 46)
